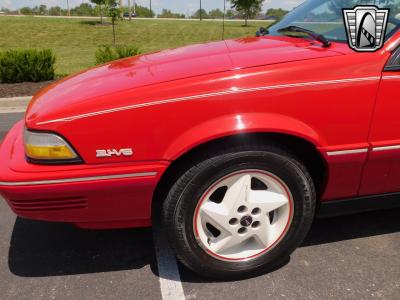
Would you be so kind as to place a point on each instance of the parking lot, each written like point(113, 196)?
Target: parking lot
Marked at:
point(350, 257)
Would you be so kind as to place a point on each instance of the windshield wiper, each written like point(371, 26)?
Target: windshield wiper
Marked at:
point(316, 36)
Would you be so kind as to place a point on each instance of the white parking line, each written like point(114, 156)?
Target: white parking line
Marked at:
point(14, 104)
point(168, 272)
point(12, 110)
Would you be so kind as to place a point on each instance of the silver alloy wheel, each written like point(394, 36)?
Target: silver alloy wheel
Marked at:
point(243, 215)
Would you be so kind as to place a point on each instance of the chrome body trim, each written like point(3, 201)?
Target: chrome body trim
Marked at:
point(389, 77)
point(345, 152)
point(385, 148)
point(78, 179)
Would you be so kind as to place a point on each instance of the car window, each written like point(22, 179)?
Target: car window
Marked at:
point(394, 62)
point(396, 58)
point(326, 17)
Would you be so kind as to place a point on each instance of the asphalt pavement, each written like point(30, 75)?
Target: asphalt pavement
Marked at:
point(351, 257)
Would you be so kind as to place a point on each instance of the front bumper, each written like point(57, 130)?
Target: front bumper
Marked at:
point(93, 196)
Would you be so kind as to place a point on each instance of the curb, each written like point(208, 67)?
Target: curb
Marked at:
point(14, 104)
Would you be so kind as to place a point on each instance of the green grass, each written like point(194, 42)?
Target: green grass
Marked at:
point(74, 41)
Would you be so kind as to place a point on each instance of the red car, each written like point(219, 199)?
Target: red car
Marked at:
point(235, 144)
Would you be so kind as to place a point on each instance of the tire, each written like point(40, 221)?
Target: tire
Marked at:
point(190, 236)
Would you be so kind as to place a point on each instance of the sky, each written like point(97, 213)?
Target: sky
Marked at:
point(182, 6)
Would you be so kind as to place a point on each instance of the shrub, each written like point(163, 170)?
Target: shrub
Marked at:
point(26, 65)
point(104, 54)
point(107, 53)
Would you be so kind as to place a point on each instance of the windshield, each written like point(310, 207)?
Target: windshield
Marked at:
point(326, 17)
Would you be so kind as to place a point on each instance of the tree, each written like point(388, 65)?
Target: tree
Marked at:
point(84, 9)
point(5, 10)
point(143, 12)
point(114, 12)
point(42, 10)
point(55, 11)
point(166, 13)
point(200, 14)
point(100, 3)
point(216, 14)
point(247, 8)
point(230, 13)
point(26, 10)
point(277, 13)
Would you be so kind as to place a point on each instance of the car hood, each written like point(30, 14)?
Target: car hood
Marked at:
point(168, 65)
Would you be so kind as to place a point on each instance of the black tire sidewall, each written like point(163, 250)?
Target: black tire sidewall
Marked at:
point(197, 182)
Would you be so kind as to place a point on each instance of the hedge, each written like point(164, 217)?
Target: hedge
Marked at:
point(108, 53)
point(26, 65)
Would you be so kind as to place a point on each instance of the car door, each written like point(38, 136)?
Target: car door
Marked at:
point(382, 170)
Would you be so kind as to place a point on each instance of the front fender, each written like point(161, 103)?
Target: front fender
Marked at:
point(229, 125)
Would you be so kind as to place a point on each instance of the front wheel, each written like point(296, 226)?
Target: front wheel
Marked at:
point(240, 212)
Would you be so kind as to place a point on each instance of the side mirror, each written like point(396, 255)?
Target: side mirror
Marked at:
point(262, 32)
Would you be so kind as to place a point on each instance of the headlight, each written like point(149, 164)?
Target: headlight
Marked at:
point(48, 147)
